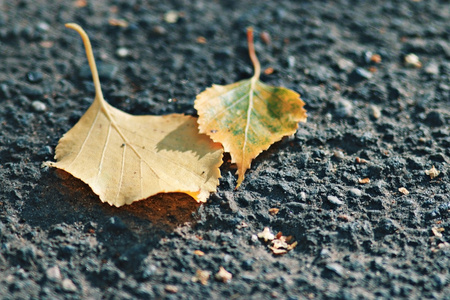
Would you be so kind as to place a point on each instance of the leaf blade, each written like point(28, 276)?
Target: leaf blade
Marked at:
point(125, 158)
point(248, 116)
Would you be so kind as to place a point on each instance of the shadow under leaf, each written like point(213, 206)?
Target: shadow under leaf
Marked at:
point(185, 138)
point(61, 198)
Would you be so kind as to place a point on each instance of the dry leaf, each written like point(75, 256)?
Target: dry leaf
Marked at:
point(403, 190)
point(201, 276)
point(118, 23)
point(278, 251)
point(223, 275)
point(266, 235)
point(172, 289)
point(273, 211)
point(278, 244)
point(364, 181)
point(126, 158)
point(437, 231)
point(292, 246)
point(360, 160)
point(248, 116)
point(433, 172)
point(199, 252)
point(412, 60)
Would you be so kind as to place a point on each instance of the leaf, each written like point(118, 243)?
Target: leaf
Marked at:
point(223, 275)
point(125, 158)
point(248, 116)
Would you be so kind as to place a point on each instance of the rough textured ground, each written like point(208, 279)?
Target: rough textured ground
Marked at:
point(355, 241)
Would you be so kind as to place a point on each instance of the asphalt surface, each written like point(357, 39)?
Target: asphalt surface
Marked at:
point(362, 187)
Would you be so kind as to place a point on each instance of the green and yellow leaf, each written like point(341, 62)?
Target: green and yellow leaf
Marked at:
point(248, 116)
point(125, 158)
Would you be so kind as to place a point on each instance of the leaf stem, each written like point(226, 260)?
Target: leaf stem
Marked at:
point(90, 57)
point(251, 51)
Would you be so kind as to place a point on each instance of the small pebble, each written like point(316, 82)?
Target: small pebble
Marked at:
point(171, 16)
point(344, 108)
point(42, 26)
point(345, 64)
point(265, 37)
point(325, 253)
point(339, 154)
point(159, 30)
point(335, 268)
point(122, 52)
point(35, 77)
point(53, 274)
point(335, 200)
point(359, 74)
point(115, 223)
point(4, 90)
point(291, 61)
point(38, 106)
point(355, 192)
point(375, 112)
point(432, 69)
point(68, 286)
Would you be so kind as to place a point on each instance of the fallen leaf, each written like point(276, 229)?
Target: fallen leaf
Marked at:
point(80, 3)
point(172, 289)
point(364, 181)
point(201, 276)
point(403, 190)
point(118, 23)
point(375, 58)
point(126, 158)
point(345, 218)
point(277, 251)
point(443, 245)
point(199, 252)
point(360, 160)
point(223, 275)
point(171, 16)
point(266, 235)
point(433, 172)
point(412, 60)
point(278, 244)
point(292, 246)
point(437, 231)
point(248, 116)
point(201, 40)
point(46, 44)
point(265, 37)
point(269, 71)
point(242, 225)
point(273, 211)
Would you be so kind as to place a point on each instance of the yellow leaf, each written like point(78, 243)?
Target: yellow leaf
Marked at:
point(248, 116)
point(125, 158)
point(223, 275)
